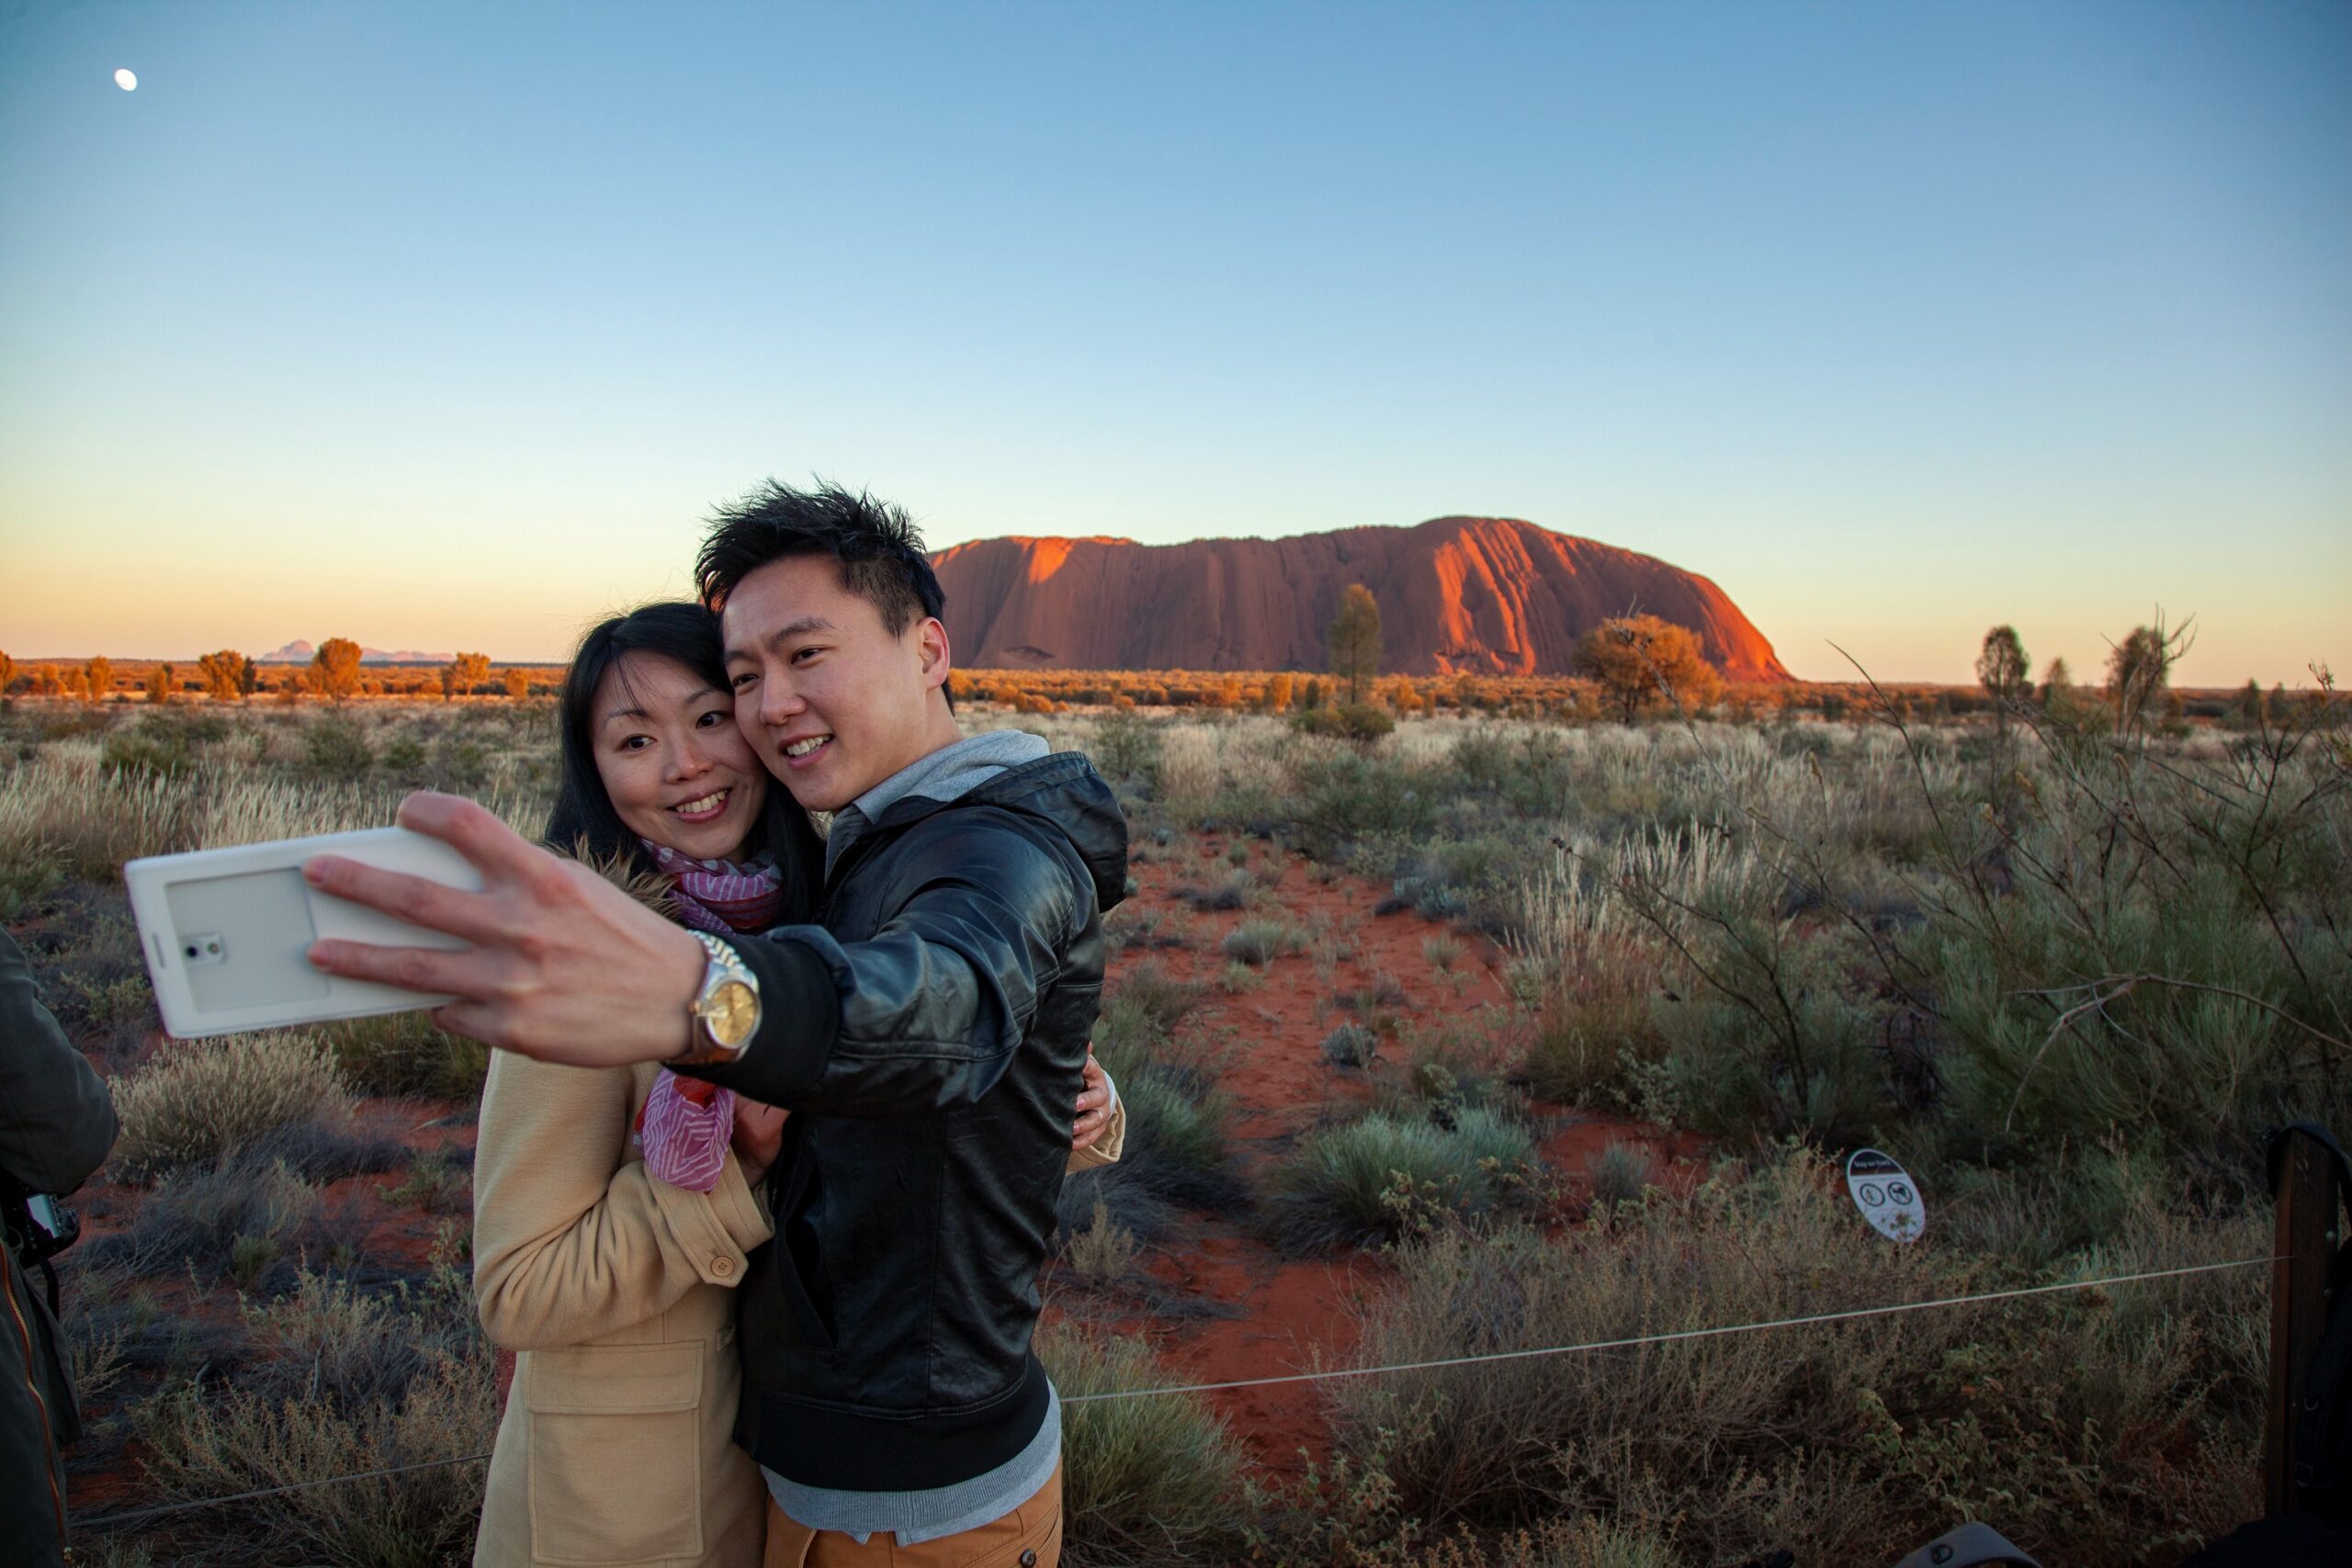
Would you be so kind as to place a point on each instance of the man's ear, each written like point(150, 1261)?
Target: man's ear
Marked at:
point(931, 647)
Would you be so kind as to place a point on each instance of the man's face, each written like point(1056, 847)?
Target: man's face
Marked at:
point(831, 700)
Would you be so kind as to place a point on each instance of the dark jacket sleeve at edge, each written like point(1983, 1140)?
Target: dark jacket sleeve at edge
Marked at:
point(56, 1118)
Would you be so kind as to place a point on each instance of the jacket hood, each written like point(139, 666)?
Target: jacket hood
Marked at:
point(1063, 789)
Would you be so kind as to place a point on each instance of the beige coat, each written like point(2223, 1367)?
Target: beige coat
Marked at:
point(616, 1446)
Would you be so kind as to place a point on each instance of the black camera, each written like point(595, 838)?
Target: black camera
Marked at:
point(39, 1227)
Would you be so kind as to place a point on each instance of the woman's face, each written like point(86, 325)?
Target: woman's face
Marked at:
point(677, 769)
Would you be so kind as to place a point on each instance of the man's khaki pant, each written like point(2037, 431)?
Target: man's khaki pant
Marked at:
point(1029, 1537)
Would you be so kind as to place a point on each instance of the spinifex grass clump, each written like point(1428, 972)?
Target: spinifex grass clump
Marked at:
point(1367, 1180)
point(1145, 1479)
point(202, 1100)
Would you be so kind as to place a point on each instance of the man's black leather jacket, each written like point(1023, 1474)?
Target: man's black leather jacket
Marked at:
point(928, 1034)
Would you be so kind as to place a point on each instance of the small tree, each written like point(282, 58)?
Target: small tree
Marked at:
point(335, 670)
point(518, 684)
point(159, 683)
point(248, 678)
point(1354, 641)
point(2252, 709)
point(463, 674)
point(7, 673)
point(2139, 668)
point(1631, 657)
point(1278, 692)
point(2002, 667)
point(2056, 679)
point(100, 673)
point(224, 674)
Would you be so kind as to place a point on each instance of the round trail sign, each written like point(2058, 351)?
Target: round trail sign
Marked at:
point(1886, 1195)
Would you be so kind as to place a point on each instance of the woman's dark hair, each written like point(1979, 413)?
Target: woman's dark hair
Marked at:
point(583, 819)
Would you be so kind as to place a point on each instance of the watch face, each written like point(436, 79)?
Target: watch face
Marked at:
point(732, 1012)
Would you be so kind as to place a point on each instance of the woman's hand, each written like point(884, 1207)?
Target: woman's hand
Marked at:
point(1093, 1103)
point(759, 1136)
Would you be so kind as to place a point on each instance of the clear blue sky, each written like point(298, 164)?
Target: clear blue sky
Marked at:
point(443, 325)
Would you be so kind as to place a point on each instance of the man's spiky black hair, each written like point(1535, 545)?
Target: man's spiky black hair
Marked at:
point(877, 546)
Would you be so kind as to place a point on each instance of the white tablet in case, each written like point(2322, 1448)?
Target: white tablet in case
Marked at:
point(224, 931)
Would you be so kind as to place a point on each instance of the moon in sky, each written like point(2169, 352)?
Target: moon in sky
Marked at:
point(127, 79)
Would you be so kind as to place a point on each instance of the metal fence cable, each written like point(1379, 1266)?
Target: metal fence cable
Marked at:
point(1667, 1339)
point(1628, 1343)
point(134, 1515)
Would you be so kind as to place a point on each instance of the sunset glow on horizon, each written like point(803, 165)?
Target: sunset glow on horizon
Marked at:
point(1896, 324)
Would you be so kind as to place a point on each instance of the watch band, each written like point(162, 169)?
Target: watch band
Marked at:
point(730, 990)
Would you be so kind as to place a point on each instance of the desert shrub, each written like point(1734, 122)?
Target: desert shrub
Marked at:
point(1238, 977)
point(1260, 943)
point(1131, 925)
point(1593, 1028)
point(1776, 1034)
point(213, 1442)
point(1131, 1202)
point(1527, 771)
point(201, 1102)
point(1618, 1172)
point(148, 750)
point(1105, 1250)
point(1143, 1009)
point(406, 1053)
point(1237, 891)
point(337, 748)
point(1350, 721)
point(1351, 1045)
point(1126, 746)
point(1348, 795)
point(1176, 1141)
point(1143, 1480)
point(1443, 951)
point(2107, 1424)
point(327, 1150)
point(1366, 1180)
point(245, 1215)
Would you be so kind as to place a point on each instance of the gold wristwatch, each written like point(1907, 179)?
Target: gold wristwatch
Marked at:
point(726, 1010)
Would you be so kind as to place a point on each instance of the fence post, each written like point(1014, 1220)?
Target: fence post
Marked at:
point(2304, 1241)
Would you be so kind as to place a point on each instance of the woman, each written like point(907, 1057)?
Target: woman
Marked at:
point(612, 1284)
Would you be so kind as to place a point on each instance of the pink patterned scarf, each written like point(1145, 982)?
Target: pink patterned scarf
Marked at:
point(686, 1123)
point(721, 897)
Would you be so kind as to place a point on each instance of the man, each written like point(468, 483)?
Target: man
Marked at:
point(56, 1125)
point(929, 1032)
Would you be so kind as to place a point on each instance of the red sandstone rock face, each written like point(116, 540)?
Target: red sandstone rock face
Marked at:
point(1491, 595)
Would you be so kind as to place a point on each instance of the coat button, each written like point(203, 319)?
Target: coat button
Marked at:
point(722, 1267)
point(1029, 1559)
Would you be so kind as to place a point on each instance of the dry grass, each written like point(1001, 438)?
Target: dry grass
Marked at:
point(200, 1101)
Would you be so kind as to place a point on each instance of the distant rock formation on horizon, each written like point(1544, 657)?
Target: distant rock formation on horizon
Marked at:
point(302, 653)
point(1487, 595)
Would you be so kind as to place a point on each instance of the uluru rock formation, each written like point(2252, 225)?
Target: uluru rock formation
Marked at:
point(1490, 595)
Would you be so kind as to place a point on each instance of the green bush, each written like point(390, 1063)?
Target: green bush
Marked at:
point(1346, 797)
point(1366, 1180)
point(337, 748)
point(1349, 721)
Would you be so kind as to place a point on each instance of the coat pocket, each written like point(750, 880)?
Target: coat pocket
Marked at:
point(615, 1453)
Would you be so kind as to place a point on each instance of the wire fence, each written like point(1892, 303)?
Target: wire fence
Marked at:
point(139, 1515)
